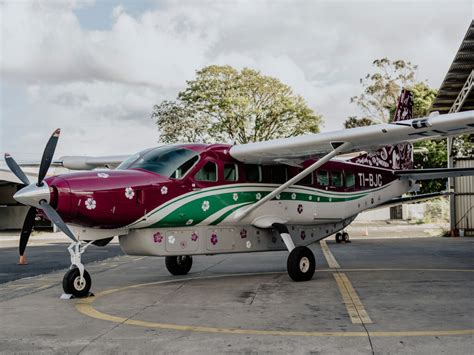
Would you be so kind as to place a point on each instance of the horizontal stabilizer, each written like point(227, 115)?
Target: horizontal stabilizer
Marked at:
point(438, 173)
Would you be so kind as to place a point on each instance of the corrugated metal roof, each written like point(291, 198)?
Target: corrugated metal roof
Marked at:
point(458, 72)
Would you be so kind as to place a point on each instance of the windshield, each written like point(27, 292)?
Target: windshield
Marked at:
point(168, 161)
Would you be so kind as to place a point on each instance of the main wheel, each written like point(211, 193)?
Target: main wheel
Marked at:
point(345, 237)
point(338, 237)
point(179, 265)
point(73, 284)
point(301, 264)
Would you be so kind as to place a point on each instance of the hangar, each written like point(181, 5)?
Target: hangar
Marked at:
point(456, 94)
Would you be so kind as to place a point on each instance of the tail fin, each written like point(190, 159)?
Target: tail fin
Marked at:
point(395, 157)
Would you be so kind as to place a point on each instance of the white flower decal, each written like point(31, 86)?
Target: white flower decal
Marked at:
point(103, 175)
point(171, 239)
point(129, 193)
point(164, 190)
point(293, 196)
point(205, 205)
point(190, 221)
point(235, 196)
point(258, 196)
point(248, 244)
point(90, 203)
point(310, 197)
point(278, 196)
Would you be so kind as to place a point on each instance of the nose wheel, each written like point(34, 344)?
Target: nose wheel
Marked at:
point(77, 281)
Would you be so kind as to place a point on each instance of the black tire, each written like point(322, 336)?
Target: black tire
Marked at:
point(179, 265)
point(72, 285)
point(345, 237)
point(338, 237)
point(301, 264)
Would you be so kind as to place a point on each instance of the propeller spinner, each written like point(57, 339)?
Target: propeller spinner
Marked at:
point(37, 195)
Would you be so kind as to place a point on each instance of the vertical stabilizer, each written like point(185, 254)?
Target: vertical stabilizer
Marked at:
point(395, 157)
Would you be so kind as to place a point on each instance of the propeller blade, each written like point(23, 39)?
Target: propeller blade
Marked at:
point(48, 155)
point(56, 219)
point(15, 169)
point(26, 230)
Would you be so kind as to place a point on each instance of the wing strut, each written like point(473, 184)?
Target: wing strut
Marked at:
point(338, 147)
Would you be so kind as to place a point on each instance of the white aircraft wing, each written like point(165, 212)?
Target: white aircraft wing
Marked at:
point(368, 138)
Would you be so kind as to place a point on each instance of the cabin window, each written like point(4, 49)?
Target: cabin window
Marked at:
point(278, 174)
point(350, 180)
point(207, 173)
point(184, 168)
point(230, 172)
point(336, 179)
point(307, 180)
point(253, 173)
point(322, 178)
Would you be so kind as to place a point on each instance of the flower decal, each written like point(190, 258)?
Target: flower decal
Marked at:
point(278, 196)
point(214, 238)
point(300, 208)
point(243, 233)
point(303, 235)
point(171, 239)
point(205, 205)
point(103, 175)
point(157, 237)
point(235, 196)
point(194, 237)
point(189, 222)
point(293, 196)
point(310, 197)
point(248, 244)
point(164, 190)
point(90, 203)
point(129, 193)
point(258, 196)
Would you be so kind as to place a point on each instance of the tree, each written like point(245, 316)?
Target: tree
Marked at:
point(353, 122)
point(223, 104)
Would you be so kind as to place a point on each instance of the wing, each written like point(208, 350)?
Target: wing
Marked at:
point(437, 173)
point(367, 138)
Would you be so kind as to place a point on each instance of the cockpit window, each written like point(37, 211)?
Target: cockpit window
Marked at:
point(168, 161)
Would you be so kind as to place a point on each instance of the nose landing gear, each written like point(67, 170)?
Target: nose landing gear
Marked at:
point(77, 281)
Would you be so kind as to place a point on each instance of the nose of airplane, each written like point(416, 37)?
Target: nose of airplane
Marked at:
point(32, 194)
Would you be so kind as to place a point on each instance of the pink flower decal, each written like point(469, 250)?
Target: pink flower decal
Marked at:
point(194, 237)
point(243, 233)
point(300, 208)
point(303, 235)
point(214, 238)
point(157, 237)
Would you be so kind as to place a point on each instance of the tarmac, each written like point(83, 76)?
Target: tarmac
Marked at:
point(396, 290)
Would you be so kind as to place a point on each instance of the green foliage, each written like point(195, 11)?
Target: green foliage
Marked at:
point(435, 157)
point(382, 88)
point(353, 122)
point(226, 105)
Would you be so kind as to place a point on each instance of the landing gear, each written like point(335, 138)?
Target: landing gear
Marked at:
point(342, 237)
point(179, 265)
point(301, 264)
point(77, 280)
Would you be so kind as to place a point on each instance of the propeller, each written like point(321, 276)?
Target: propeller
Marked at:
point(37, 195)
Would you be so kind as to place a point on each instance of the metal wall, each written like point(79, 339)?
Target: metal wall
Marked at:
point(464, 198)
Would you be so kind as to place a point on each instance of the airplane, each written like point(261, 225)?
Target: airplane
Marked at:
point(182, 200)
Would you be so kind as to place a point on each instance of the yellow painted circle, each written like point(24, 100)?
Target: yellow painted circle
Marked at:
point(85, 307)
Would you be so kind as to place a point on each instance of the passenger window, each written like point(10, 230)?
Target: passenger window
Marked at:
point(350, 180)
point(307, 180)
point(184, 168)
point(278, 174)
point(207, 173)
point(230, 172)
point(322, 178)
point(253, 173)
point(336, 179)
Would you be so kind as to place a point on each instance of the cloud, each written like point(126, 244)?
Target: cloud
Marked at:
point(100, 85)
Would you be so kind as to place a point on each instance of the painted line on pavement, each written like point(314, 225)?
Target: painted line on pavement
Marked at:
point(332, 262)
point(354, 306)
point(85, 307)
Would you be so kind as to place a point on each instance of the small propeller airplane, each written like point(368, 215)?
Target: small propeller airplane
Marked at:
point(182, 200)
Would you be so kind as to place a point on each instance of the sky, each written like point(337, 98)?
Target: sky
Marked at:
point(96, 68)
